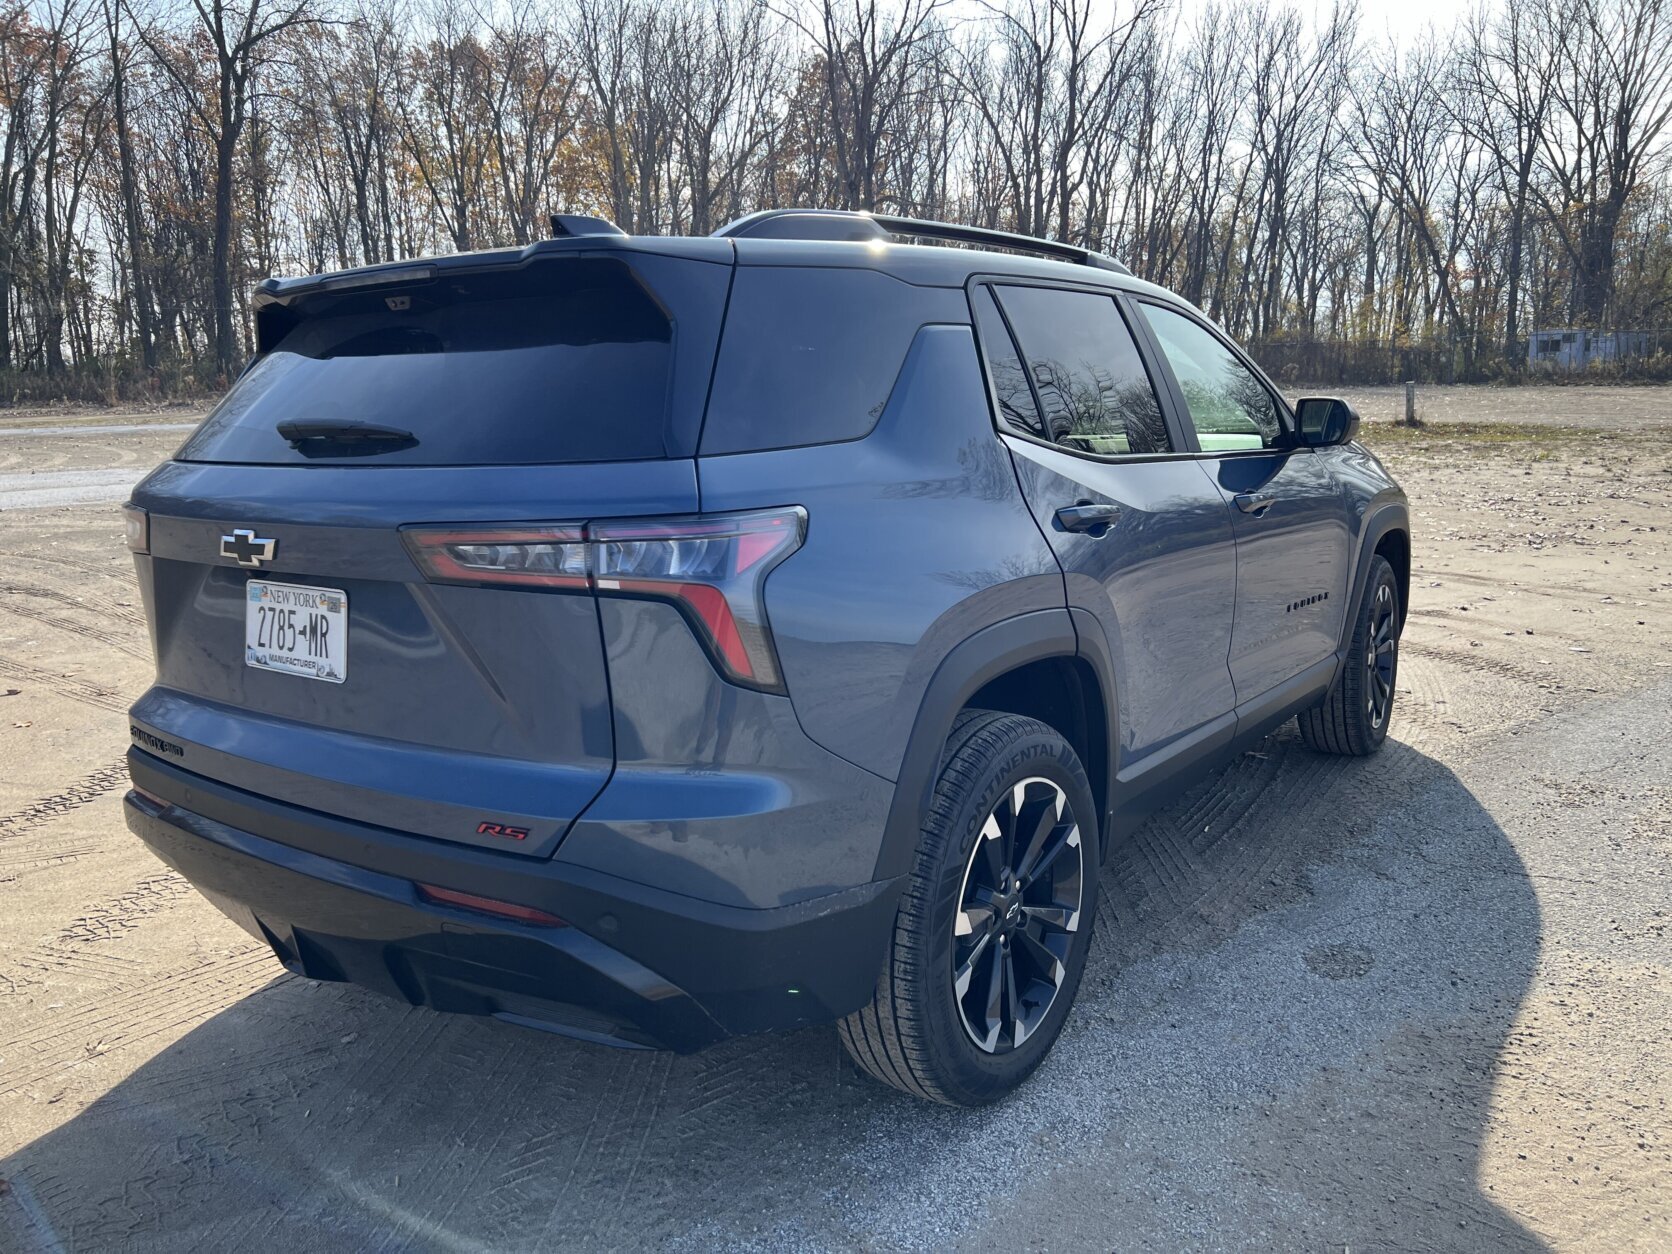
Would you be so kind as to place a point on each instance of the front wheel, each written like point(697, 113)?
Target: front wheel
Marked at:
point(991, 935)
point(1353, 718)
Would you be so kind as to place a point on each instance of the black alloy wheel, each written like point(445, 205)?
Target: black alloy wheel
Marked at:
point(994, 924)
point(1018, 910)
point(1381, 655)
point(1353, 717)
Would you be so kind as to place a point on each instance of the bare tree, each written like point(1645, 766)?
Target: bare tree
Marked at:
point(238, 35)
point(1343, 202)
point(1611, 101)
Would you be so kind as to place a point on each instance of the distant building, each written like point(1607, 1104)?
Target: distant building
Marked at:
point(1574, 350)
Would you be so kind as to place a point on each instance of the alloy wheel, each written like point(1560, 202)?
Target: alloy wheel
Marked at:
point(1381, 657)
point(1018, 910)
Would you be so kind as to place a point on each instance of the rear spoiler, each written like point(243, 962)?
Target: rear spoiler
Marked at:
point(286, 291)
point(274, 300)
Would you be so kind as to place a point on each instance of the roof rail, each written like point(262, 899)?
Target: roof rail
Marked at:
point(845, 224)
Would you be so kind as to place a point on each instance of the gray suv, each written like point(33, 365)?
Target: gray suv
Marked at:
point(658, 640)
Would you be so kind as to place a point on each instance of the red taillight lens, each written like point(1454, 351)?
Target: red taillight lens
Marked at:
point(541, 557)
point(489, 905)
point(713, 566)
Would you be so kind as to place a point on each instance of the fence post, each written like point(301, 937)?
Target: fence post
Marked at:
point(1410, 402)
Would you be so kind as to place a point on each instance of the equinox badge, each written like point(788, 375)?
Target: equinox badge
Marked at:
point(243, 547)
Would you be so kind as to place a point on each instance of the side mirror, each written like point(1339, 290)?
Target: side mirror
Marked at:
point(1326, 421)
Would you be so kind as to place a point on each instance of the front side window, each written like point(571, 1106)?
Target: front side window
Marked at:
point(1094, 394)
point(1228, 405)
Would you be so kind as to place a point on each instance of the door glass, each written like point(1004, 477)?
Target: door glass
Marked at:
point(1229, 406)
point(1093, 390)
point(1016, 408)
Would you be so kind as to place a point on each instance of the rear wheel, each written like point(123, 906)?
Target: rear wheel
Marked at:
point(992, 931)
point(1353, 718)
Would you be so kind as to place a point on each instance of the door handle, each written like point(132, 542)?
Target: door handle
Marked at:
point(1256, 503)
point(1087, 517)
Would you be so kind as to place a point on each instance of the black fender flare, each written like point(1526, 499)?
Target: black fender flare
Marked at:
point(966, 668)
point(1379, 520)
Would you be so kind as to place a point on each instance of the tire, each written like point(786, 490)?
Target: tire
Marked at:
point(1353, 719)
point(920, 1031)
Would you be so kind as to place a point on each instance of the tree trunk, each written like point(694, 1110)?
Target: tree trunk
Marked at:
point(226, 344)
point(133, 222)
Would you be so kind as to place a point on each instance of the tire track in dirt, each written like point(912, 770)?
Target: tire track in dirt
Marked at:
point(1531, 587)
point(40, 592)
point(119, 915)
point(1481, 663)
point(38, 855)
point(1163, 861)
point(34, 837)
point(1423, 717)
point(610, 1149)
point(115, 640)
point(111, 569)
point(181, 999)
point(96, 695)
point(1195, 875)
point(292, 1063)
point(88, 788)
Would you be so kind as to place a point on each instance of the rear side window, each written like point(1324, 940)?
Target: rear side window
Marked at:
point(1093, 392)
point(560, 361)
point(808, 356)
point(1010, 381)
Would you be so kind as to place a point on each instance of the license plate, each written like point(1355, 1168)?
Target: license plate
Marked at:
point(296, 629)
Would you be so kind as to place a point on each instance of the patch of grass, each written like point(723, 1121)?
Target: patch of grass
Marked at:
point(1492, 432)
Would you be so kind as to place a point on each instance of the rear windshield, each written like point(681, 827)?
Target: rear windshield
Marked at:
point(566, 360)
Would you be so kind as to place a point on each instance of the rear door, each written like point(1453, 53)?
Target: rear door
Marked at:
point(1144, 538)
point(480, 406)
point(1290, 516)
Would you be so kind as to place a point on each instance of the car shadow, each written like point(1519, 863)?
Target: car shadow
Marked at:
point(1303, 975)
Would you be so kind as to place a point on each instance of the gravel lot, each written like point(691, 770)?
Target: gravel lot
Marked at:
point(1419, 1001)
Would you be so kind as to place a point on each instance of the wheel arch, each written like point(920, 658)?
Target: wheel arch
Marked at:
point(1386, 529)
point(1034, 664)
point(1395, 545)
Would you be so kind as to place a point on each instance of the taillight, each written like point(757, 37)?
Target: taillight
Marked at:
point(540, 557)
point(137, 524)
point(713, 566)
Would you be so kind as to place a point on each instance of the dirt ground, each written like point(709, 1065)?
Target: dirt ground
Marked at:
point(1420, 1001)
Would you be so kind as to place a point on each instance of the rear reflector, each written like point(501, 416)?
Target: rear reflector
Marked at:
point(488, 905)
point(152, 797)
point(712, 566)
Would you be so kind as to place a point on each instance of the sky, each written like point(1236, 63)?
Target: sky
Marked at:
point(1404, 20)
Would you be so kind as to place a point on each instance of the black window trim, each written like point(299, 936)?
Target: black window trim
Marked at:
point(1166, 393)
point(1285, 415)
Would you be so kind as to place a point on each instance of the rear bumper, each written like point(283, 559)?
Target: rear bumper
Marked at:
point(337, 900)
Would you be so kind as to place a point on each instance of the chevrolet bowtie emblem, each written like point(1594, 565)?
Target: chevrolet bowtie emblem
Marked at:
point(243, 547)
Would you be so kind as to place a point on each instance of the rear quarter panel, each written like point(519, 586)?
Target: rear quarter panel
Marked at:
point(917, 538)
